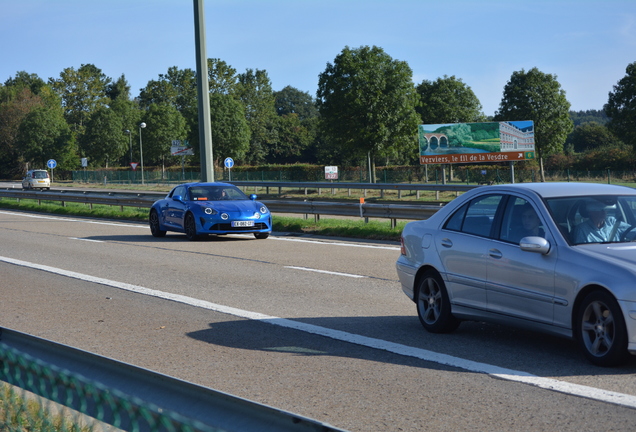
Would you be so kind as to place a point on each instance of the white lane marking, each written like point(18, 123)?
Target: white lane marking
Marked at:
point(396, 248)
point(616, 398)
point(123, 224)
point(325, 242)
point(86, 240)
point(325, 271)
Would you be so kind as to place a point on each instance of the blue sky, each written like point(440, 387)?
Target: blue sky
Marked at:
point(586, 44)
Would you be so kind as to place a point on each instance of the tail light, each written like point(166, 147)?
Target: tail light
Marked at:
point(402, 247)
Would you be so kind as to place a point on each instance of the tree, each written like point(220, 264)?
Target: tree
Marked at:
point(82, 92)
point(537, 96)
point(589, 136)
point(163, 125)
point(367, 104)
point(448, 100)
point(255, 92)
point(104, 139)
point(230, 131)
point(290, 100)
point(44, 135)
point(621, 107)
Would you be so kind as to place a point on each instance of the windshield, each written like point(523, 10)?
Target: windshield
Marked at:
point(595, 219)
point(40, 174)
point(216, 193)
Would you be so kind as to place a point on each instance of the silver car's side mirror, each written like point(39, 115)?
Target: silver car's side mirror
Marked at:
point(535, 244)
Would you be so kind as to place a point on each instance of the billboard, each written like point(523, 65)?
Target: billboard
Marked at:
point(476, 142)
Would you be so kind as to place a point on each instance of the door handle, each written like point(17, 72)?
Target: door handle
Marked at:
point(495, 253)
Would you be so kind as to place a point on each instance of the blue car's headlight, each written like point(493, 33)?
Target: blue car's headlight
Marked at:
point(210, 211)
point(263, 209)
point(257, 215)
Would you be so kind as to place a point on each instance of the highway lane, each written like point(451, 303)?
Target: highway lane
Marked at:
point(353, 386)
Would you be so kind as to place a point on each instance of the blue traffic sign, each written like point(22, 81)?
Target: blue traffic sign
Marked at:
point(51, 163)
point(229, 162)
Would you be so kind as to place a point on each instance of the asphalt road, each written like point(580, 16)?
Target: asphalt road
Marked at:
point(319, 327)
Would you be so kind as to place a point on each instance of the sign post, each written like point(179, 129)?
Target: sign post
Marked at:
point(229, 163)
point(51, 163)
point(331, 173)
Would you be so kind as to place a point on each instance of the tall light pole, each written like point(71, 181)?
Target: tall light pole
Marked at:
point(141, 151)
point(203, 94)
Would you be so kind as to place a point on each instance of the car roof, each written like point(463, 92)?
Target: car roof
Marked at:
point(205, 184)
point(558, 189)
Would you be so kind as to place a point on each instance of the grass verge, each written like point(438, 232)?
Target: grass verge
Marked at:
point(352, 228)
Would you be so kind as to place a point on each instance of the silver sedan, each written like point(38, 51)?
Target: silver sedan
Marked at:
point(553, 257)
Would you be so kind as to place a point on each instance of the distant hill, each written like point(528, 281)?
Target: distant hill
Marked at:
point(580, 117)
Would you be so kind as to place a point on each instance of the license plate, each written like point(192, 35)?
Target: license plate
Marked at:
point(237, 224)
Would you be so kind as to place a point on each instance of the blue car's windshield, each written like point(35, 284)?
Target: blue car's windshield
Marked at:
point(216, 193)
point(595, 219)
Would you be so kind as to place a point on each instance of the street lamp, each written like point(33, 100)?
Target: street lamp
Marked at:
point(141, 151)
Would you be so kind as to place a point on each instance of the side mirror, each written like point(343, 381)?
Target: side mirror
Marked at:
point(178, 198)
point(253, 197)
point(535, 244)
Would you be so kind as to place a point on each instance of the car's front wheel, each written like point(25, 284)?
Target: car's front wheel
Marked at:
point(601, 331)
point(433, 304)
point(190, 227)
point(155, 226)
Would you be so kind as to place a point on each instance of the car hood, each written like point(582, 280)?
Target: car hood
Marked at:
point(233, 206)
point(622, 254)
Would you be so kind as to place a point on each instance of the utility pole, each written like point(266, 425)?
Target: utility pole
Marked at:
point(203, 93)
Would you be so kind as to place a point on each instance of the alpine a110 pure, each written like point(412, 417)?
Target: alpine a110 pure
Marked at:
point(198, 209)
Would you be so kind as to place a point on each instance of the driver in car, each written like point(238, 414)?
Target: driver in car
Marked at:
point(599, 227)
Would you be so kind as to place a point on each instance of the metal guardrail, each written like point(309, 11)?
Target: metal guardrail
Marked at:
point(132, 398)
point(366, 210)
point(359, 186)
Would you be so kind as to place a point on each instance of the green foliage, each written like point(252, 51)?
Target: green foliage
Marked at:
point(589, 136)
point(588, 116)
point(104, 139)
point(448, 100)
point(537, 96)
point(255, 92)
point(44, 135)
point(621, 107)
point(164, 123)
point(82, 92)
point(367, 104)
point(293, 101)
point(230, 131)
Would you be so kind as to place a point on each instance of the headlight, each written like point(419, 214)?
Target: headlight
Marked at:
point(224, 216)
point(263, 209)
point(210, 211)
point(257, 215)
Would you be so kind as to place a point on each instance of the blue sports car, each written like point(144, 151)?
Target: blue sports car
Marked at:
point(198, 209)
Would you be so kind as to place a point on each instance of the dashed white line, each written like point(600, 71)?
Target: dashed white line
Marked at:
point(325, 271)
point(616, 398)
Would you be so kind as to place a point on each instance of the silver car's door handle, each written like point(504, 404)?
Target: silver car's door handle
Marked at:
point(447, 243)
point(495, 253)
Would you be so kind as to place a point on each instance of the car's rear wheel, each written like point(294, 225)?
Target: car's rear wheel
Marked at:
point(261, 236)
point(190, 227)
point(155, 226)
point(601, 331)
point(433, 304)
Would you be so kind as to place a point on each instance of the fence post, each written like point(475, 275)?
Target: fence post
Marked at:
point(609, 181)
